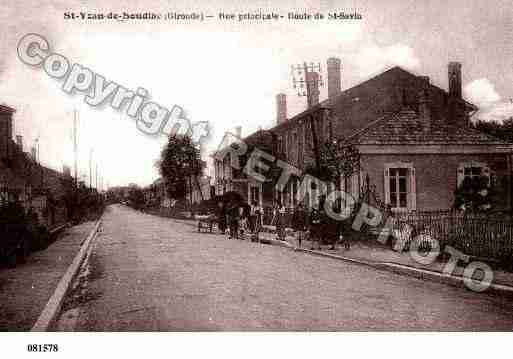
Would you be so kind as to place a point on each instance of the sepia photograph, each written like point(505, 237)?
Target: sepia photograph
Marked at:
point(342, 169)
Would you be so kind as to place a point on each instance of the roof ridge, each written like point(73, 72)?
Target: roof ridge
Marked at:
point(371, 124)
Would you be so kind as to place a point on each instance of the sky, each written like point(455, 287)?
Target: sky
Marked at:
point(228, 73)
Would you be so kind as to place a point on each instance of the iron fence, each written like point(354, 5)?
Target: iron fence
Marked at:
point(477, 235)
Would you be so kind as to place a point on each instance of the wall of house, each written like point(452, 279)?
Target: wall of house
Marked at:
point(436, 176)
point(5, 134)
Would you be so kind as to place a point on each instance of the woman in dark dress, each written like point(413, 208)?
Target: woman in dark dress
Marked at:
point(221, 217)
point(233, 220)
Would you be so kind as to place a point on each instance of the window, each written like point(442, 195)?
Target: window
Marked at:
point(397, 187)
point(472, 172)
point(308, 136)
point(290, 147)
point(296, 145)
point(254, 194)
point(300, 148)
point(400, 192)
point(328, 130)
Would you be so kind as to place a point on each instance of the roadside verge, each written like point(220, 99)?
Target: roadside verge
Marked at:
point(53, 306)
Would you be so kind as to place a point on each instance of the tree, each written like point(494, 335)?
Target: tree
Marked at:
point(503, 131)
point(338, 159)
point(474, 195)
point(180, 165)
point(136, 197)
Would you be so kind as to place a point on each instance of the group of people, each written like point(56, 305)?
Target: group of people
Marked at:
point(308, 224)
point(238, 218)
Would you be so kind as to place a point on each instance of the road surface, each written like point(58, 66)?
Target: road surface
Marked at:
point(157, 274)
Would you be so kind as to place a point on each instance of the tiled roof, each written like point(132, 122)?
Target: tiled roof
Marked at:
point(358, 102)
point(405, 127)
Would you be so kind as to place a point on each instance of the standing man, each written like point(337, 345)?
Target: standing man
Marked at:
point(259, 219)
point(233, 217)
point(315, 227)
point(300, 223)
point(221, 217)
point(279, 213)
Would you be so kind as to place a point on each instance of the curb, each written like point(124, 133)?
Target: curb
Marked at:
point(401, 269)
point(275, 242)
point(53, 306)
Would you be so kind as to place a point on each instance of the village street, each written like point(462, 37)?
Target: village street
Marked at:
point(150, 273)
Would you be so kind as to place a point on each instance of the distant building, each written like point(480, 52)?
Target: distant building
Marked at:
point(23, 179)
point(200, 189)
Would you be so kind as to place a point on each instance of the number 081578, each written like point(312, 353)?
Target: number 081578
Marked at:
point(43, 348)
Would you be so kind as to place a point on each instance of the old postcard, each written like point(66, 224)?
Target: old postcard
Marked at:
point(255, 166)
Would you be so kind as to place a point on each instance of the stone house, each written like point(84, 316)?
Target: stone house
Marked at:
point(415, 141)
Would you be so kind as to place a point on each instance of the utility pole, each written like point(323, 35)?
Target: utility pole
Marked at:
point(75, 146)
point(97, 176)
point(38, 160)
point(308, 76)
point(91, 169)
point(307, 79)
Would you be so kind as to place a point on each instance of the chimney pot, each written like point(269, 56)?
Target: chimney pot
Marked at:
point(424, 107)
point(454, 73)
point(19, 142)
point(334, 84)
point(281, 108)
point(456, 111)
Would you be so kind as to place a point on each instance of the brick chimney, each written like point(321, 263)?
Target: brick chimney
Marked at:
point(5, 131)
point(19, 142)
point(281, 108)
point(424, 103)
point(456, 107)
point(334, 87)
point(33, 153)
point(66, 171)
point(454, 71)
point(312, 81)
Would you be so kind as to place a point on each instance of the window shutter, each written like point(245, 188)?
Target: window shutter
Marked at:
point(355, 191)
point(412, 194)
point(460, 175)
point(387, 185)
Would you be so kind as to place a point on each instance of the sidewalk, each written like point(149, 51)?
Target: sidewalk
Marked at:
point(378, 254)
point(25, 290)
